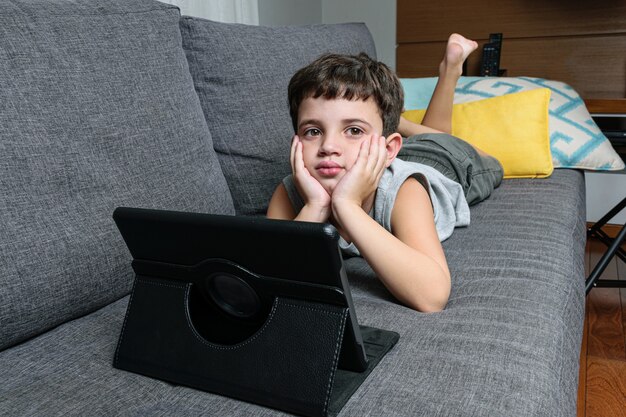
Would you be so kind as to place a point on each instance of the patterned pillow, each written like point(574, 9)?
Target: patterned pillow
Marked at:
point(520, 118)
point(575, 139)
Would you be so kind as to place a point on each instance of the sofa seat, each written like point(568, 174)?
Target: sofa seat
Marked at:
point(506, 345)
point(508, 342)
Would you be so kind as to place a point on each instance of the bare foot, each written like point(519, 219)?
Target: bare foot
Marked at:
point(457, 51)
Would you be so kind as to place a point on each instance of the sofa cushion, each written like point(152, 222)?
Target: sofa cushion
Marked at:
point(97, 110)
point(241, 75)
point(512, 128)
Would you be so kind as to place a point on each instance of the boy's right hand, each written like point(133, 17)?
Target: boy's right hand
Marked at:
point(314, 195)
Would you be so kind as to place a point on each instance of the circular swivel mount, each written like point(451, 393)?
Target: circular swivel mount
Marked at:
point(226, 306)
point(233, 295)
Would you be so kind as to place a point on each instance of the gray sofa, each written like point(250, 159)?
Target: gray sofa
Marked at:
point(123, 103)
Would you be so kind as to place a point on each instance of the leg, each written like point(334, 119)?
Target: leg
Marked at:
point(438, 117)
point(439, 112)
point(477, 173)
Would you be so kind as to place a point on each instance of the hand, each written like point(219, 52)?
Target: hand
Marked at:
point(312, 192)
point(361, 181)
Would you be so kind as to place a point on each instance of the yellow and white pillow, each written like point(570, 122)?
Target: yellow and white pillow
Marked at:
point(513, 128)
point(575, 139)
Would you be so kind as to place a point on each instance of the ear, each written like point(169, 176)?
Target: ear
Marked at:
point(393, 143)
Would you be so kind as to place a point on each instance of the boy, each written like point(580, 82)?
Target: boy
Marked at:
point(346, 111)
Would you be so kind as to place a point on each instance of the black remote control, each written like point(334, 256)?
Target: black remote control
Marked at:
point(491, 56)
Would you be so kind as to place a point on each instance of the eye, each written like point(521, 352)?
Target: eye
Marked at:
point(312, 132)
point(354, 131)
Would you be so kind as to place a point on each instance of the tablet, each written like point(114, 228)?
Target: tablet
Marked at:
point(238, 266)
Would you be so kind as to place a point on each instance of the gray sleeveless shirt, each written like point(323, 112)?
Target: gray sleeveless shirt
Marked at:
point(449, 204)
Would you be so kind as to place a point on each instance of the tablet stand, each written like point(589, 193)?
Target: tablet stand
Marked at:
point(290, 363)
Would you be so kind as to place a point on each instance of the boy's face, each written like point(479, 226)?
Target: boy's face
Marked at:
point(331, 132)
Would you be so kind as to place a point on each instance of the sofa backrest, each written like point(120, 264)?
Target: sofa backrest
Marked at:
point(241, 75)
point(97, 110)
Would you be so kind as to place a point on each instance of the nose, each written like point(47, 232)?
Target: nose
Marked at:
point(330, 145)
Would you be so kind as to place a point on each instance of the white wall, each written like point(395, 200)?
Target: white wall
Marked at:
point(604, 191)
point(290, 12)
point(378, 15)
point(228, 11)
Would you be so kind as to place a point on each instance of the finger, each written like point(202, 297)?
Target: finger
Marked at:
point(300, 158)
point(292, 152)
point(373, 144)
point(382, 159)
point(374, 153)
point(364, 152)
point(374, 157)
point(382, 154)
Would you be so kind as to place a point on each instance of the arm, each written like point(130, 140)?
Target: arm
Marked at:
point(411, 262)
point(280, 208)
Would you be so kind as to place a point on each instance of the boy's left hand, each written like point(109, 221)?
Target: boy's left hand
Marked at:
point(363, 178)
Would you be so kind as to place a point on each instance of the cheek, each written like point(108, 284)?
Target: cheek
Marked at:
point(309, 151)
point(351, 156)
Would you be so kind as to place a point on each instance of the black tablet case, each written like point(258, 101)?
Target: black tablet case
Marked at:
point(283, 348)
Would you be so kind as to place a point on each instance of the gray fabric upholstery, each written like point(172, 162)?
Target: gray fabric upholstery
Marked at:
point(506, 345)
point(241, 75)
point(97, 110)
point(508, 342)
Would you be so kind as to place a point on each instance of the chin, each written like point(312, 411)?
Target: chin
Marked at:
point(329, 185)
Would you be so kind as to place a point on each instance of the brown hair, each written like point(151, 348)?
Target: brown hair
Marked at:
point(351, 77)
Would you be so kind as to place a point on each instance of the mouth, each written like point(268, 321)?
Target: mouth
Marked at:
point(328, 168)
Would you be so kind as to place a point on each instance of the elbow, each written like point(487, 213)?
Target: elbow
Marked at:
point(435, 302)
point(439, 299)
point(433, 307)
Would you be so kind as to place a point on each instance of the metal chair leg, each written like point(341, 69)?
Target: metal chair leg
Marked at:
point(592, 281)
point(614, 248)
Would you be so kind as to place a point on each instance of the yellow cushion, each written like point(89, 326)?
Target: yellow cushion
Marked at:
point(513, 128)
